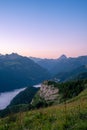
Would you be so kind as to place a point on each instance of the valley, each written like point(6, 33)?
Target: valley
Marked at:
point(43, 64)
point(57, 101)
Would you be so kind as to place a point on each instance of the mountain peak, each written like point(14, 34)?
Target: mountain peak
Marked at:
point(13, 55)
point(62, 57)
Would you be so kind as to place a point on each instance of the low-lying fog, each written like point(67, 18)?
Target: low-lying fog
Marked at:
point(37, 86)
point(6, 97)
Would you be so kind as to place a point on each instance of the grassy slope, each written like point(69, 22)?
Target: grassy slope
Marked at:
point(69, 116)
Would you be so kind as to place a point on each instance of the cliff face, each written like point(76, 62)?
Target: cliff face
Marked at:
point(47, 94)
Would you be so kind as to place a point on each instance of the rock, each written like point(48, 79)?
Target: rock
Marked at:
point(48, 92)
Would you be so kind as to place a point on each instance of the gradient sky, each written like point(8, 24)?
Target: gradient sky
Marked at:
point(43, 28)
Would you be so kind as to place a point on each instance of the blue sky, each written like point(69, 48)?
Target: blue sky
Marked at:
point(43, 28)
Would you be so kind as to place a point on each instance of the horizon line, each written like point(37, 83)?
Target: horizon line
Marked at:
point(42, 57)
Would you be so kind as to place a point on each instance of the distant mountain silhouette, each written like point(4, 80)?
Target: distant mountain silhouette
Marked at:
point(17, 71)
point(62, 64)
point(69, 64)
point(62, 57)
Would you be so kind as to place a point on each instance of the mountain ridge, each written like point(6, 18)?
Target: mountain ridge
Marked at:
point(18, 71)
point(62, 64)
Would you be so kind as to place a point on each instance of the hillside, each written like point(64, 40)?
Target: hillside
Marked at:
point(71, 115)
point(17, 71)
point(78, 73)
point(55, 93)
point(49, 94)
point(24, 97)
point(21, 102)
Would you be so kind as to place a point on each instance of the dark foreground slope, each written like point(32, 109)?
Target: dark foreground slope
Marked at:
point(17, 71)
point(71, 115)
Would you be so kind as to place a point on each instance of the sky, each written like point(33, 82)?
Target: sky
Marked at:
point(43, 28)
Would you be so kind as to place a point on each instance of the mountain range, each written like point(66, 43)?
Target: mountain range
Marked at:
point(61, 64)
point(17, 72)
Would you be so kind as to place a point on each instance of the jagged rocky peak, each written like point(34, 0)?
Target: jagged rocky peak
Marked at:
point(62, 57)
point(13, 55)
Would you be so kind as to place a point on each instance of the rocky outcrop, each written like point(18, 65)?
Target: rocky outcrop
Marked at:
point(48, 92)
point(47, 95)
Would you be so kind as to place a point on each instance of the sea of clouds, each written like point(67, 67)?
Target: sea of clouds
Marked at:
point(6, 97)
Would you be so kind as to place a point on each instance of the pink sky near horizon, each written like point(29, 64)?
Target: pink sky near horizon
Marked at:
point(43, 29)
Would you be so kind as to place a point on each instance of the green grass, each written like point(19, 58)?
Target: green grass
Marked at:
point(69, 116)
